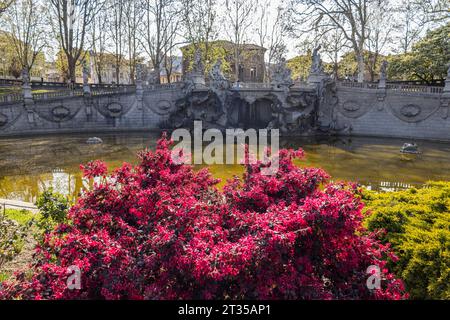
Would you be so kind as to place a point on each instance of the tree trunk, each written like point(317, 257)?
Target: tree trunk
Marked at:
point(132, 77)
point(72, 70)
point(360, 67)
point(236, 62)
point(157, 75)
point(117, 73)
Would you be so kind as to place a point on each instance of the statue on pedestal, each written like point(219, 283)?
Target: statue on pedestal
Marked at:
point(281, 77)
point(316, 73)
point(138, 75)
point(86, 72)
point(316, 65)
point(383, 74)
point(26, 88)
point(195, 78)
point(198, 64)
point(25, 77)
point(217, 78)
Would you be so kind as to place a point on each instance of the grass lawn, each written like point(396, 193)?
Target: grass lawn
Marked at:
point(21, 216)
point(25, 246)
point(10, 90)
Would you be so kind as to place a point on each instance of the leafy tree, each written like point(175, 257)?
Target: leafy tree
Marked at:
point(15, 67)
point(216, 50)
point(348, 65)
point(300, 66)
point(4, 4)
point(428, 59)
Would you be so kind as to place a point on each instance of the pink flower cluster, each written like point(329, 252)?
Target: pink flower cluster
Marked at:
point(160, 230)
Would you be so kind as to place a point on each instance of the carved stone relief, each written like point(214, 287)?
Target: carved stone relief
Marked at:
point(114, 108)
point(412, 112)
point(3, 119)
point(355, 108)
point(56, 112)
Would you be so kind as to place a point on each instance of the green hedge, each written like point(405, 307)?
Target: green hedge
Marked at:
point(417, 224)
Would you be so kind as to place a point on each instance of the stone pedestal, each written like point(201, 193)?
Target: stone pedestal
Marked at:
point(446, 91)
point(86, 90)
point(316, 78)
point(27, 95)
point(198, 80)
point(139, 90)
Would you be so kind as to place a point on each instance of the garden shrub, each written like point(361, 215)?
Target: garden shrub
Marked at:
point(417, 224)
point(53, 208)
point(160, 230)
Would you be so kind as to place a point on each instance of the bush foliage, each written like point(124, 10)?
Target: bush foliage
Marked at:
point(417, 224)
point(160, 230)
point(12, 235)
point(53, 208)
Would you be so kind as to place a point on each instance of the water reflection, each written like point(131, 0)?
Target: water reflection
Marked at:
point(30, 165)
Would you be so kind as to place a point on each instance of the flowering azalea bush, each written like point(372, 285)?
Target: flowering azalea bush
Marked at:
point(161, 230)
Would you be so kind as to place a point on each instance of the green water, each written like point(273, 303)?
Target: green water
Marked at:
point(29, 165)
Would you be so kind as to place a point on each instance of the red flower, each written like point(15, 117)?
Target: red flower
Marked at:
point(94, 168)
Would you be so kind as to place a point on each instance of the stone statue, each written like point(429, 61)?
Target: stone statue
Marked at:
point(383, 70)
point(26, 87)
point(198, 64)
point(25, 76)
point(316, 66)
point(383, 76)
point(218, 82)
point(195, 78)
point(86, 71)
point(138, 72)
point(216, 72)
point(282, 75)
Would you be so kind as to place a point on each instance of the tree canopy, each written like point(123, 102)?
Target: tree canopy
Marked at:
point(428, 59)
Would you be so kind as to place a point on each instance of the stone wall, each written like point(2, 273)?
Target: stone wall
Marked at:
point(105, 112)
point(414, 112)
point(342, 109)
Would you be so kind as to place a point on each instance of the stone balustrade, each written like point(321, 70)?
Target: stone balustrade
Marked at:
point(164, 86)
point(110, 89)
point(393, 86)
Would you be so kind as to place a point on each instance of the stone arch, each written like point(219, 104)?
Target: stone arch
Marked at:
point(237, 113)
point(262, 112)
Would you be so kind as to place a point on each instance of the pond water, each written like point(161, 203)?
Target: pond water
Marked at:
point(28, 165)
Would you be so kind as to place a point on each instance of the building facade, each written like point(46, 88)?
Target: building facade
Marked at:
point(251, 63)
